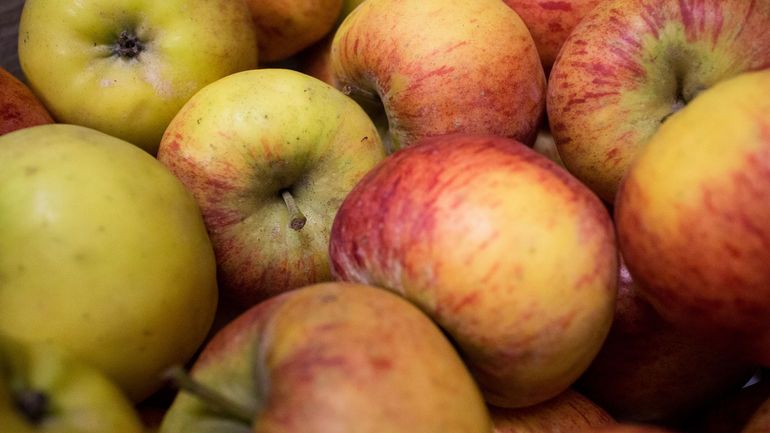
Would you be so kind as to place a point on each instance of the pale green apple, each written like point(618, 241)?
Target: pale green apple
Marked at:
point(103, 251)
point(44, 388)
point(125, 67)
point(252, 146)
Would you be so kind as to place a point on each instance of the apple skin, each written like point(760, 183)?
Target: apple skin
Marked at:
point(507, 252)
point(286, 27)
point(629, 428)
point(759, 422)
point(630, 63)
point(77, 397)
point(103, 251)
point(67, 52)
point(570, 411)
point(441, 66)
point(334, 357)
point(644, 358)
point(19, 107)
point(693, 226)
point(550, 23)
point(242, 140)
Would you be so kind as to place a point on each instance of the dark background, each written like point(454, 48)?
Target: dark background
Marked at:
point(10, 10)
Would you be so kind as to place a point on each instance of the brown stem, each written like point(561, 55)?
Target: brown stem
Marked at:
point(214, 399)
point(298, 219)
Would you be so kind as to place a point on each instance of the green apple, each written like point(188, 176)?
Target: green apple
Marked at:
point(125, 67)
point(44, 388)
point(330, 357)
point(692, 217)
point(629, 64)
point(103, 251)
point(19, 107)
point(269, 155)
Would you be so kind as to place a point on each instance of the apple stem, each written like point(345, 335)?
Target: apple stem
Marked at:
point(210, 396)
point(298, 219)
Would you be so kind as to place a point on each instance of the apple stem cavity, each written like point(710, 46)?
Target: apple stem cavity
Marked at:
point(298, 219)
point(211, 397)
point(33, 404)
point(128, 45)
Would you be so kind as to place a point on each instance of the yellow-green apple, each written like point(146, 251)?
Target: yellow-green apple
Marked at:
point(45, 388)
point(511, 255)
point(103, 251)
point(19, 107)
point(433, 67)
point(630, 63)
point(329, 357)
point(286, 27)
point(125, 67)
point(569, 411)
point(550, 23)
point(644, 358)
point(269, 155)
point(693, 226)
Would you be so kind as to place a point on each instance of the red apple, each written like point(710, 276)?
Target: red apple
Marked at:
point(645, 358)
point(760, 420)
point(508, 253)
point(629, 428)
point(332, 357)
point(441, 66)
point(570, 411)
point(692, 216)
point(551, 22)
point(19, 107)
point(630, 63)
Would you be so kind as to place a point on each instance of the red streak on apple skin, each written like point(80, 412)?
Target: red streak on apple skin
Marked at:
point(556, 5)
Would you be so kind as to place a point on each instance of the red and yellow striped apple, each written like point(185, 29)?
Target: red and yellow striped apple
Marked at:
point(433, 67)
point(512, 256)
point(331, 357)
point(630, 63)
point(19, 107)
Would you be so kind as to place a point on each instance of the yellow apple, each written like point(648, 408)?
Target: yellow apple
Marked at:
point(125, 67)
point(103, 251)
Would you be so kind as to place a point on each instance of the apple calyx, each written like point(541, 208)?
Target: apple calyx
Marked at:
point(33, 404)
point(209, 396)
point(298, 219)
point(128, 45)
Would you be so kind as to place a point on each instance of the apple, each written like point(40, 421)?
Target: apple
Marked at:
point(103, 251)
point(330, 357)
point(759, 422)
point(629, 428)
point(286, 27)
point(645, 358)
point(44, 388)
point(731, 411)
point(125, 67)
point(512, 256)
point(570, 411)
point(545, 145)
point(269, 155)
point(19, 107)
point(551, 22)
point(629, 64)
point(433, 67)
point(693, 225)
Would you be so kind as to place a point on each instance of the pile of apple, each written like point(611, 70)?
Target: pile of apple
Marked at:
point(417, 216)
